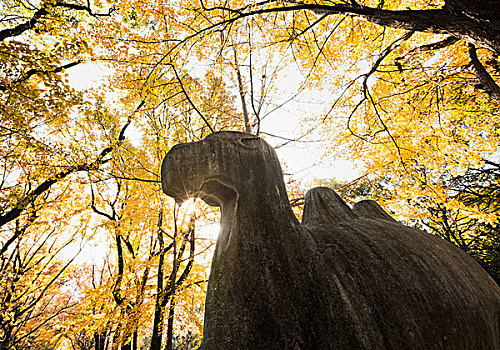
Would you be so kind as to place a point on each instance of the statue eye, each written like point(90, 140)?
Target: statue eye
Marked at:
point(250, 142)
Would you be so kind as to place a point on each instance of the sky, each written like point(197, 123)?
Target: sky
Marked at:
point(305, 159)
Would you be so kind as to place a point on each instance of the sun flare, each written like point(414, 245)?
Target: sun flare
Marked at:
point(188, 207)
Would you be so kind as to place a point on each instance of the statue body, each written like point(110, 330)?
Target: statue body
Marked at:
point(342, 279)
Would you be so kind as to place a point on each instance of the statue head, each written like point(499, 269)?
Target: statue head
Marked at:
point(220, 168)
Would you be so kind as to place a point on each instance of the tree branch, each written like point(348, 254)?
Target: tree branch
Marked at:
point(384, 54)
point(241, 91)
point(94, 208)
point(116, 287)
point(21, 28)
point(84, 8)
point(448, 41)
point(42, 12)
point(434, 20)
point(34, 71)
point(189, 99)
point(487, 83)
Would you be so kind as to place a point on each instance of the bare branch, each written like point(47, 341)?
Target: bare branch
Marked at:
point(189, 99)
point(84, 8)
point(136, 179)
point(241, 91)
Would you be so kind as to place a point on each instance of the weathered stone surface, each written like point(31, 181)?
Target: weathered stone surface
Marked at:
point(343, 279)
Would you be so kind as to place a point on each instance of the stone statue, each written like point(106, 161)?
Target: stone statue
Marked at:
point(343, 279)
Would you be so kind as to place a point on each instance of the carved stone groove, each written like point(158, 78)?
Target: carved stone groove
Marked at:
point(343, 279)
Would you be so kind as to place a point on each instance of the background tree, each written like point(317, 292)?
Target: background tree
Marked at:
point(361, 188)
point(57, 143)
point(41, 155)
point(476, 191)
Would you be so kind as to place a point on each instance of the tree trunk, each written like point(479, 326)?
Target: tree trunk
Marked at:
point(99, 340)
point(170, 325)
point(156, 337)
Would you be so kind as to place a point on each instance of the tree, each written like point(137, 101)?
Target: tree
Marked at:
point(360, 189)
point(312, 30)
point(137, 302)
point(476, 190)
point(36, 120)
point(50, 134)
point(34, 279)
